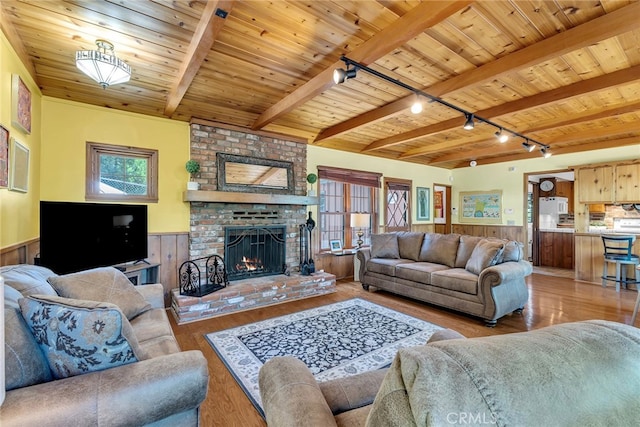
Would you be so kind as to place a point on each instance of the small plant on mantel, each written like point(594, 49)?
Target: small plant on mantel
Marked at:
point(311, 179)
point(193, 167)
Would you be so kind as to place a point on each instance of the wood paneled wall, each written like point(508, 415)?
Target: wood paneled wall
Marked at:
point(168, 249)
point(511, 232)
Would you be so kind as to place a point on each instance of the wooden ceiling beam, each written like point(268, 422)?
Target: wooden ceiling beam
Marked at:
point(203, 39)
point(590, 146)
point(610, 25)
point(414, 22)
point(607, 81)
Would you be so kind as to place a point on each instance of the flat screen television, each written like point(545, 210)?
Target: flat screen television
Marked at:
point(76, 236)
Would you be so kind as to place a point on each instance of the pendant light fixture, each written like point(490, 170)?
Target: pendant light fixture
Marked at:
point(102, 65)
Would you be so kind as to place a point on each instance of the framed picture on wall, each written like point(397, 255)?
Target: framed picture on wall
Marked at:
point(4, 157)
point(423, 201)
point(20, 104)
point(19, 167)
point(481, 207)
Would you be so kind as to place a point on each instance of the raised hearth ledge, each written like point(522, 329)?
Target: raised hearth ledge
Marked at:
point(236, 197)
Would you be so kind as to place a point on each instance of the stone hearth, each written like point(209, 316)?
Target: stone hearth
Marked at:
point(250, 293)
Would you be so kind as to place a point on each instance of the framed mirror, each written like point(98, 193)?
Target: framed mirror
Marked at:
point(254, 175)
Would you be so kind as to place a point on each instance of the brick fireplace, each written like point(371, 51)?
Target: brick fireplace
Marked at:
point(217, 214)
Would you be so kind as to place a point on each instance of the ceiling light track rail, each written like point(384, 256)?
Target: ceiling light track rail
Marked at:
point(340, 75)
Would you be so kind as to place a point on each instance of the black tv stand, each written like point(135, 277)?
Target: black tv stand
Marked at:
point(143, 273)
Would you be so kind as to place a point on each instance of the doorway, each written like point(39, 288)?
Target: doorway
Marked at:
point(549, 218)
point(442, 208)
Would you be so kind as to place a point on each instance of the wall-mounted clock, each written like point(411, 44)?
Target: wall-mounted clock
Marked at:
point(546, 185)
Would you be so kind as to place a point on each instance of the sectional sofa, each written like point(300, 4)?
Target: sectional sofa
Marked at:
point(483, 277)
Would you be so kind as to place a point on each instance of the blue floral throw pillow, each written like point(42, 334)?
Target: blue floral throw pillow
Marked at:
point(78, 336)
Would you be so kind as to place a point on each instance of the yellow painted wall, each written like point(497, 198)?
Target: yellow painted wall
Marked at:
point(19, 219)
point(421, 176)
point(69, 125)
point(498, 176)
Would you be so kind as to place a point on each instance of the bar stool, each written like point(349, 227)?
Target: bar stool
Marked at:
point(635, 310)
point(617, 249)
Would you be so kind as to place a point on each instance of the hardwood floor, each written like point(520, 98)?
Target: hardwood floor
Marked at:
point(552, 300)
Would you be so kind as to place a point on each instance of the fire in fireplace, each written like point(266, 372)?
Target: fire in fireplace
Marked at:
point(254, 251)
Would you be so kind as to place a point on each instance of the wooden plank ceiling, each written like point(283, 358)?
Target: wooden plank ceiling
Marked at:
point(562, 72)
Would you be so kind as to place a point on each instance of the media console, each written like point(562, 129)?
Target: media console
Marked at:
point(140, 273)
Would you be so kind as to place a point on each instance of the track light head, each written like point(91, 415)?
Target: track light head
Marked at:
point(469, 124)
point(545, 152)
point(340, 74)
point(528, 146)
point(502, 136)
point(416, 107)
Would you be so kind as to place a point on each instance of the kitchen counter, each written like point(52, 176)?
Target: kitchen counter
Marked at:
point(589, 255)
point(557, 230)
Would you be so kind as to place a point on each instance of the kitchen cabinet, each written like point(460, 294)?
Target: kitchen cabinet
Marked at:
point(556, 249)
point(595, 184)
point(565, 189)
point(627, 183)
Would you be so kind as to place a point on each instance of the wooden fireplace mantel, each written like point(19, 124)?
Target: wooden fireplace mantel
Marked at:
point(236, 197)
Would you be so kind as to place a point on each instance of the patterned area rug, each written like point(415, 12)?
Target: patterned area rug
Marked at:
point(334, 341)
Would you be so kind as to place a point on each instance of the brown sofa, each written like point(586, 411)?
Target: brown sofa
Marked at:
point(483, 277)
point(572, 374)
point(165, 387)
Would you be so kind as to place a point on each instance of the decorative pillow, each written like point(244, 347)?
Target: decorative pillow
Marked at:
point(104, 284)
point(513, 251)
point(485, 254)
point(440, 248)
point(77, 336)
point(384, 246)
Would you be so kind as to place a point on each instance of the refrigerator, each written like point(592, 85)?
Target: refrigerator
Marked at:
point(550, 209)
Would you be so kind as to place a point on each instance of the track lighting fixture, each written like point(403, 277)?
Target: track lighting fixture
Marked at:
point(416, 107)
point(502, 136)
point(469, 124)
point(545, 152)
point(340, 75)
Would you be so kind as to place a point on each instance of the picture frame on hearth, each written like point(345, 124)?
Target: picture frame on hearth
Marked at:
point(335, 245)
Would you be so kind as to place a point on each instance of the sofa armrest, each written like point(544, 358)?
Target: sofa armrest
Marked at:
point(291, 396)
point(135, 394)
point(153, 294)
point(505, 272)
point(355, 391)
point(364, 255)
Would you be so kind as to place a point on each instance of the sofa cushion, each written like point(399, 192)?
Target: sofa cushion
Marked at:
point(456, 279)
point(28, 279)
point(409, 244)
point(25, 364)
point(418, 271)
point(78, 336)
point(384, 246)
point(440, 248)
point(385, 265)
point(485, 254)
point(465, 248)
point(104, 284)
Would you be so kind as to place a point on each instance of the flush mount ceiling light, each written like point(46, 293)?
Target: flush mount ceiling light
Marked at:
point(340, 75)
point(102, 65)
point(502, 136)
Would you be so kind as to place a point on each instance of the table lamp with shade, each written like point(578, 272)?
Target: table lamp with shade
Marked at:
point(360, 221)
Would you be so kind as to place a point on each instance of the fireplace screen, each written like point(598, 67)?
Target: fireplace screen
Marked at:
point(254, 251)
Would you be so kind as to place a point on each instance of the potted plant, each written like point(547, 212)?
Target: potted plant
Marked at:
point(193, 167)
point(311, 179)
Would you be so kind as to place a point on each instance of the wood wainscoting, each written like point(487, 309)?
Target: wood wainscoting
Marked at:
point(170, 250)
point(511, 232)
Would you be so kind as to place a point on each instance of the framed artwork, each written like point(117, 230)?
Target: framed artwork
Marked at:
point(20, 104)
point(438, 204)
point(481, 207)
point(19, 167)
point(335, 245)
point(424, 212)
point(4, 157)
